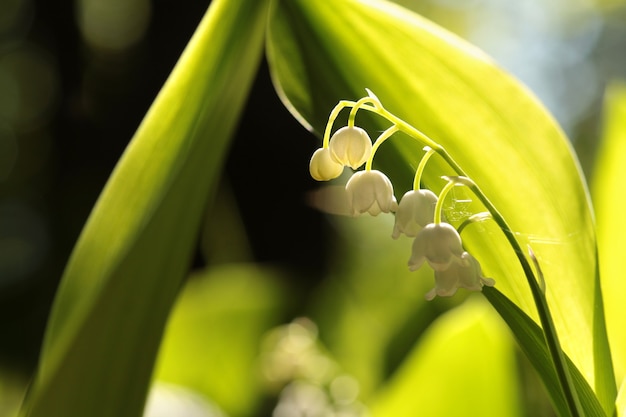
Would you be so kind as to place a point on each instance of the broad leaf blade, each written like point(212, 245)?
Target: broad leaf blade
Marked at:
point(620, 403)
point(610, 200)
point(131, 258)
point(323, 52)
point(474, 342)
point(531, 340)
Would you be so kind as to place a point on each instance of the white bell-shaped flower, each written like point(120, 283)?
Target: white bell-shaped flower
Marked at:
point(416, 210)
point(469, 276)
point(350, 146)
point(323, 167)
point(440, 245)
point(370, 192)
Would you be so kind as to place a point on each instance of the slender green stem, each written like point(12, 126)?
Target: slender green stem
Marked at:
point(404, 126)
point(379, 141)
point(540, 277)
point(474, 218)
point(331, 119)
point(422, 165)
point(358, 105)
point(440, 200)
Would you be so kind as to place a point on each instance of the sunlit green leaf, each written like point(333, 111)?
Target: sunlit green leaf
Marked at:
point(214, 335)
point(620, 404)
point(323, 52)
point(532, 342)
point(473, 342)
point(129, 263)
point(610, 200)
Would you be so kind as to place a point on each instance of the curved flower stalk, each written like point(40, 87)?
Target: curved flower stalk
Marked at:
point(439, 243)
point(419, 214)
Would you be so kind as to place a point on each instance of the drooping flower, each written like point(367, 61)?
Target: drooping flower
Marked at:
point(350, 146)
point(469, 276)
point(416, 210)
point(370, 192)
point(440, 245)
point(323, 167)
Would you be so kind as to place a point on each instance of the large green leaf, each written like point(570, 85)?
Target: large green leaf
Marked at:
point(531, 340)
point(620, 403)
point(610, 200)
point(323, 52)
point(472, 341)
point(131, 258)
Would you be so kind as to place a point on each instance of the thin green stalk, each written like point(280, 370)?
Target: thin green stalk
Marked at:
point(420, 168)
point(379, 141)
point(474, 218)
point(440, 201)
point(356, 107)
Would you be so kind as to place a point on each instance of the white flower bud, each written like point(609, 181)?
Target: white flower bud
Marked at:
point(440, 245)
point(350, 146)
point(468, 276)
point(416, 210)
point(323, 167)
point(370, 192)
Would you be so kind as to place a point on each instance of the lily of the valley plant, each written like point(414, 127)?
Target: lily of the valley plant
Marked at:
point(452, 121)
point(419, 215)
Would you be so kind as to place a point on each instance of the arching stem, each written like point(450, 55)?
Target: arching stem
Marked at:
point(379, 141)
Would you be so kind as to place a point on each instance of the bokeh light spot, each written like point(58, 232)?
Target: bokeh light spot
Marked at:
point(113, 24)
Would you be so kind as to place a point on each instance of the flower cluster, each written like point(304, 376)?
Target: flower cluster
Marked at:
point(419, 213)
